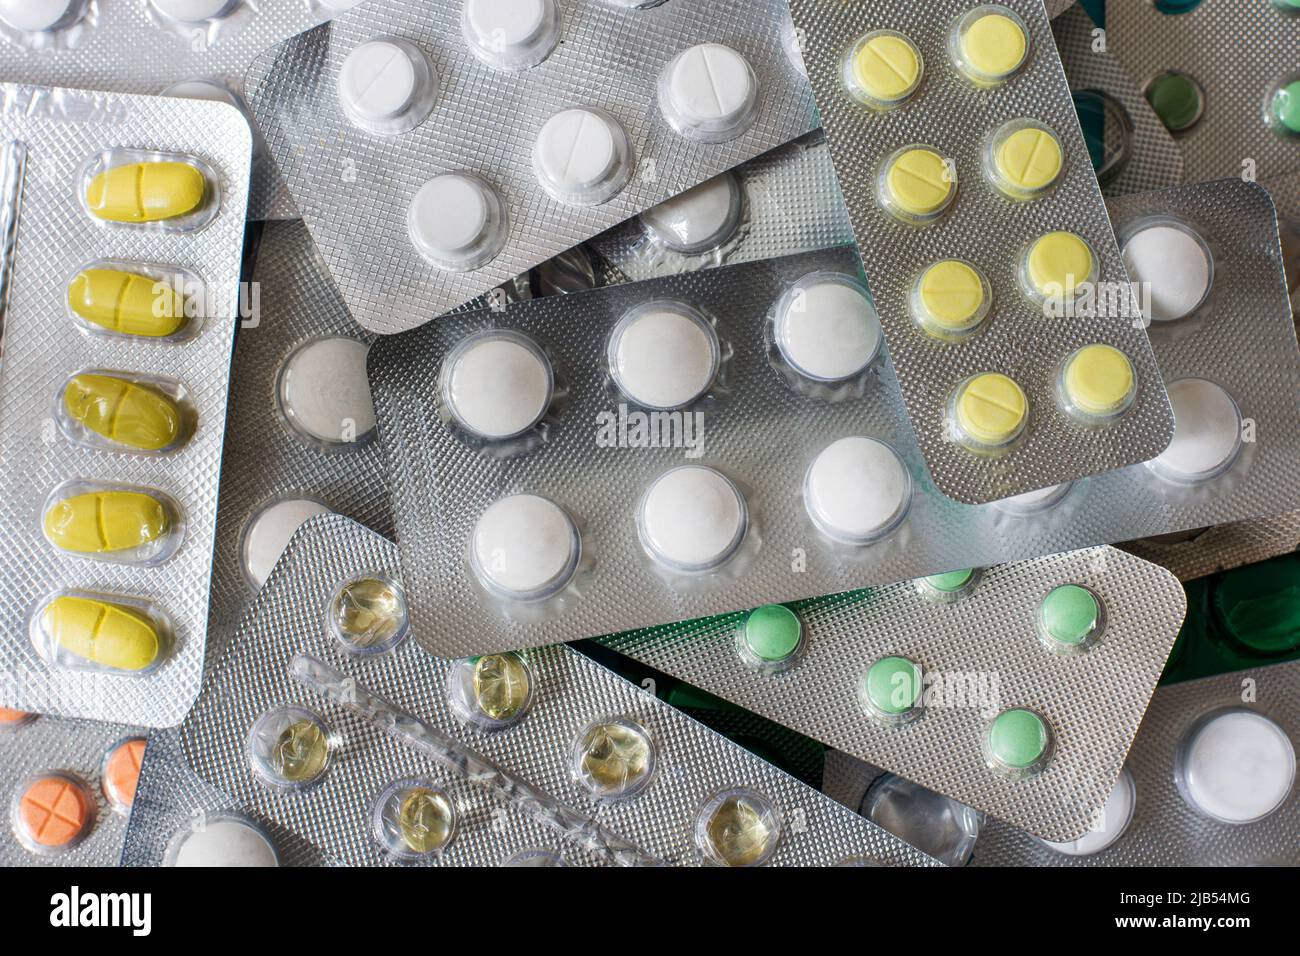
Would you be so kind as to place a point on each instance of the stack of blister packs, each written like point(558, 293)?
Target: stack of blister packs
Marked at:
point(528, 432)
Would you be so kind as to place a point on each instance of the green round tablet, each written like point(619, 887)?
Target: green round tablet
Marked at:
point(950, 581)
point(772, 633)
point(1018, 738)
point(893, 686)
point(1177, 100)
point(1070, 614)
point(1286, 106)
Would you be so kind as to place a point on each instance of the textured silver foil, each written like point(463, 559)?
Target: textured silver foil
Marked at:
point(570, 690)
point(986, 229)
point(353, 188)
point(1223, 547)
point(1056, 7)
point(56, 237)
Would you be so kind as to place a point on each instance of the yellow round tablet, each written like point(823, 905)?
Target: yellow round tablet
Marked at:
point(1098, 381)
point(1058, 263)
point(1027, 161)
point(918, 183)
point(884, 69)
point(990, 409)
point(951, 296)
point(993, 46)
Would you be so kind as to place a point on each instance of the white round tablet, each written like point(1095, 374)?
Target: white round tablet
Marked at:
point(664, 354)
point(324, 393)
point(33, 16)
point(222, 841)
point(1116, 815)
point(692, 519)
point(826, 328)
point(857, 490)
point(209, 90)
point(525, 548)
point(339, 6)
point(497, 384)
point(700, 219)
point(511, 34)
point(1207, 432)
point(709, 93)
point(1173, 266)
point(193, 11)
point(387, 86)
point(1236, 766)
point(582, 156)
point(268, 532)
point(457, 221)
point(1034, 502)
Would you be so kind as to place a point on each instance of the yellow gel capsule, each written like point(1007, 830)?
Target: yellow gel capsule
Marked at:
point(1058, 263)
point(125, 412)
point(886, 68)
point(127, 302)
point(991, 409)
point(106, 521)
point(952, 296)
point(994, 47)
point(919, 182)
point(146, 192)
point(112, 635)
point(1098, 380)
point(1028, 162)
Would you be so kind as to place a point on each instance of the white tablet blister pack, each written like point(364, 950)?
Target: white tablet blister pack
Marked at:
point(124, 237)
point(982, 229)
point(326, 717)
point(438, 149)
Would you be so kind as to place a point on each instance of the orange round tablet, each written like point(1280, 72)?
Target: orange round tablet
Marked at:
point(9, 717)
point(54, 810)
point(121, 772)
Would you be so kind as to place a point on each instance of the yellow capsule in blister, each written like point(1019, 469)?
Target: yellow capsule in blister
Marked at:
point(146, 192)
point(127, 302)
point(102, 632)
point(106, 521)
point(128, 413)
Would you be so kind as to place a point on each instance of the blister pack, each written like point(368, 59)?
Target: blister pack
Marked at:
point(1028, 720)
point(68, 787)
point(179, 819)
point(1057, 7)
point(1210, 781)
point(328, 719)
point(124, 220)
point(438, 149)
point(1205, 551)
point(972, 195)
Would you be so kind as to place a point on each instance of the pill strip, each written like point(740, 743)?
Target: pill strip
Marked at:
point(948, 114)
point(1223, 547)
point(692, 763)
point(486, 121)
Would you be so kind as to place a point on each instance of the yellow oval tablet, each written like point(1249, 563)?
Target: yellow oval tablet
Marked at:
point(1098, 380)
point(1028, 161)
point(919, 182)
point(952, 296)
point(128, 413)
point(101, 522)
point(146, 192)
point(102, 632)
point(991, 409)
point(886, 68)
point(127, 302)
point(993, 47)
point(1058, 263)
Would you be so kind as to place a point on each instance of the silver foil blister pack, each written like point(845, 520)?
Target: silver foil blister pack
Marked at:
point(452, 187)
point(97, 414)
point(984, 174)
point(1222, 547)
point(555, 756)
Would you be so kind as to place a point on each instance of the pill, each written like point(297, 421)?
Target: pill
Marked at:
point(1116, 815)
point(300, 751)
point(936, 825)
point(857, 490)
point(582, 156)
point(989, 411)
point(224, 841)
point(1207, 432)
point(614, 758)
point(1070, 617)
point(457, 221)
point(692, 519)
point(1172, 268)
point(502, 686)
point(916, 185)
point(98, 631)
point(127, 302)
point(33, 16)
point(414, 820)
point(1057, 265)
point(511, 34)
point(950, 584)
point(124, 412)
point(120, 775)
point(883, 69)
point(268, 532)
point(1025, 159)
point(737, 828)
point(193, 11)
point(1098, 383)
point(1034, 502)
point(147, 192)
point(826, 327)
point(990, 45)
point(497, 385)
point(525, 548)
point(664, 354)
point(1018, 741)
point(709, 92)
point(1236, 766)
point(951, 299)
point(377, 80)
point(54, 811)
point(1285, 107)
point(701, 219)
point(772, 634)
point(324, 392)
point(1177, 99)
point(369, 614)
point(891, 688)
point(12, 719)
point(103, 522)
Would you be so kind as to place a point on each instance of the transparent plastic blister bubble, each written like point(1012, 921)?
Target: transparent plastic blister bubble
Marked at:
point(540, 757)
point(47, 24)
point(117, 386)
point(118, 634)
point(477, 154)
point(1210, 781)
point(982, 131)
